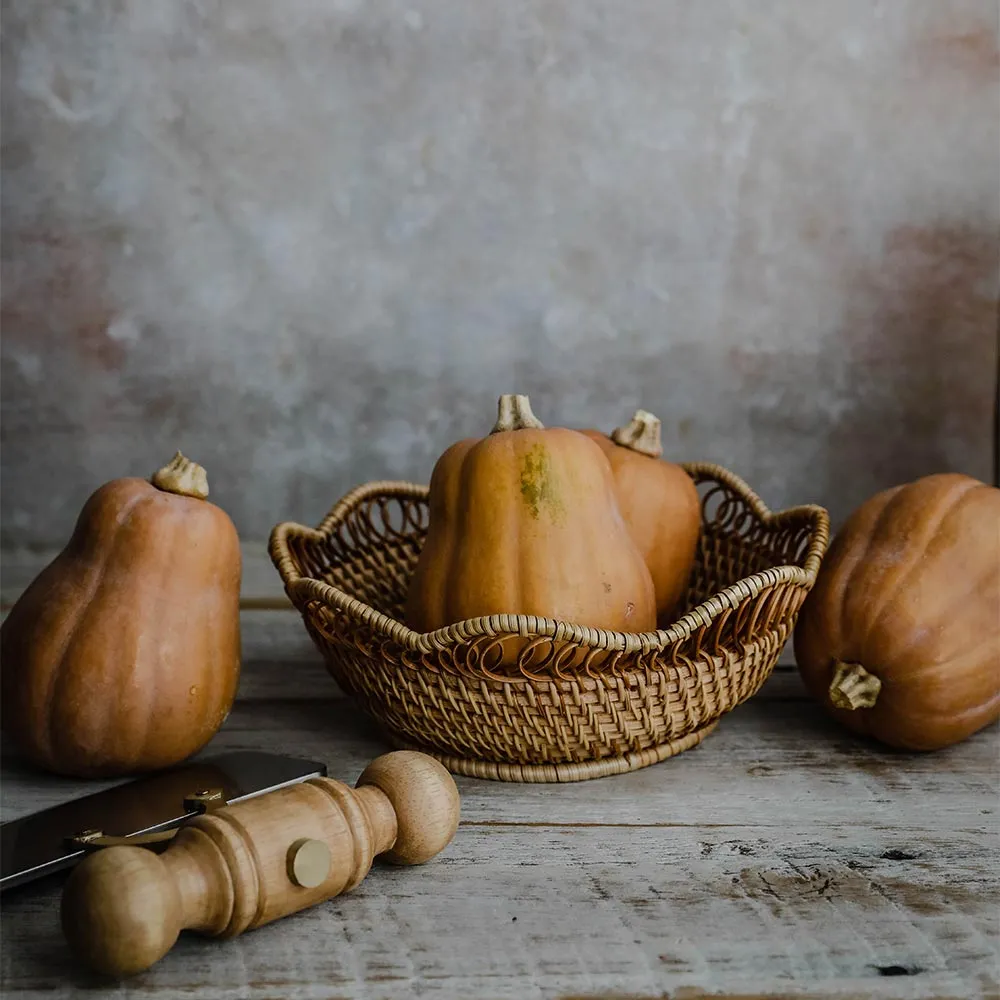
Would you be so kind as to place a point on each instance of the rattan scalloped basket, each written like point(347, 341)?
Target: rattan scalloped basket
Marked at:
point(573, 702)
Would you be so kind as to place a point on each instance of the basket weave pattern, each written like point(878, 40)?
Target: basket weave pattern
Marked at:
point(573, 702)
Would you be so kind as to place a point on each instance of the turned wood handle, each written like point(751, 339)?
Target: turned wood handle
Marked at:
point(247, 864)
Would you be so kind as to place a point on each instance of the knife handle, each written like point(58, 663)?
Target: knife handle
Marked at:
point(247, 864)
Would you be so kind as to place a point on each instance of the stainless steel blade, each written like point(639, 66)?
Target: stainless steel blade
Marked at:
point(37, 844)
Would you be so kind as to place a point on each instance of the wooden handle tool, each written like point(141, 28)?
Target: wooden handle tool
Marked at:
point(247, 864)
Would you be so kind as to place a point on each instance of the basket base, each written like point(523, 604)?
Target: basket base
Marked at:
point(578, 771)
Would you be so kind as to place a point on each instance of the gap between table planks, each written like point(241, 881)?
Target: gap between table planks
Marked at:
point(782, 858)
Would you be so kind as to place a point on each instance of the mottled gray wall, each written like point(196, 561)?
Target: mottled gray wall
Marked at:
point(310, 242)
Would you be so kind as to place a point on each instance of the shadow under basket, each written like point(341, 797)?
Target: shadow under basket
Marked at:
point(572, 702)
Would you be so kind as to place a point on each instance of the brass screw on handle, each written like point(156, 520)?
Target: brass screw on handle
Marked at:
point(309, 862)
point(237, 867)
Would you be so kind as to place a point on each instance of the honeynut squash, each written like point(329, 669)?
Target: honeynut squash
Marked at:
point(526, 521)
point(900, 637)
point(123, 655)
point(659, 503)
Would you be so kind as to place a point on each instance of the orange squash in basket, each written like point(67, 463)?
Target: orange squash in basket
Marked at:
point(660, 505)
point(526, 521)
point(123, 655)
point(900, 637)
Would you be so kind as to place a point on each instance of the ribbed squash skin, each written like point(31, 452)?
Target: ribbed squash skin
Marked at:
point(660, 505)
point(527, 522)
point(123, 654)
point(910, 589)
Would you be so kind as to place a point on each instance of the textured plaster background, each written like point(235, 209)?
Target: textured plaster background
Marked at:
point(310, 242)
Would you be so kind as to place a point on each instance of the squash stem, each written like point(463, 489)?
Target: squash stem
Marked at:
point(641, 434)
point(514, 414)
point(182, 476)
point(853, 687)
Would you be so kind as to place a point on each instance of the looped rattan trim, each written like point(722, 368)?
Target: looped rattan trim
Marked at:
point(516, 697)
point(301, 590)
point(563, 773)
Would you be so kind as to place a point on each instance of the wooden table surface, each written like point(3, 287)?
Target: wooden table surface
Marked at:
point(783, 857)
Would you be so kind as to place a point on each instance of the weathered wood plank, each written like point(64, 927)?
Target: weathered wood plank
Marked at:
point(278, 637)
point(782, 857)
point(771, 763)
point(550, 912)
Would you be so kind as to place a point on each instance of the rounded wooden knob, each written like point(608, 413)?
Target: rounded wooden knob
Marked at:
point(120, 910)
point(123, 907)
point(424, 797)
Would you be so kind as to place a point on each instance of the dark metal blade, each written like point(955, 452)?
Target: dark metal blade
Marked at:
point(35, 845)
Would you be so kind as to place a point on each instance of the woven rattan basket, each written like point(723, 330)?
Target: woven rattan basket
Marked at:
point(578, 702)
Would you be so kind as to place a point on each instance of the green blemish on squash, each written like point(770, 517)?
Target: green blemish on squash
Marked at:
point(538, 487)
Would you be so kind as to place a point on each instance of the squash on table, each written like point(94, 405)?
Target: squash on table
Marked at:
point(659, 502)
point(900, 636)
point(123, 655)
point(526, 521)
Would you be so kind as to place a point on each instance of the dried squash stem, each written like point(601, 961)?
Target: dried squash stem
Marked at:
point(514, 414)
point(641, 434)
point(182, 476)
point(853, 687)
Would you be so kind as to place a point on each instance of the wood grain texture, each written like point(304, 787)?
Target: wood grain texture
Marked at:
point(252, 862)
point(774, 761)
point(547, 911)
point(784, 857)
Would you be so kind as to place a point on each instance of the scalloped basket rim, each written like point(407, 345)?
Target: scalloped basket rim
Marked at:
point(302, 590)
